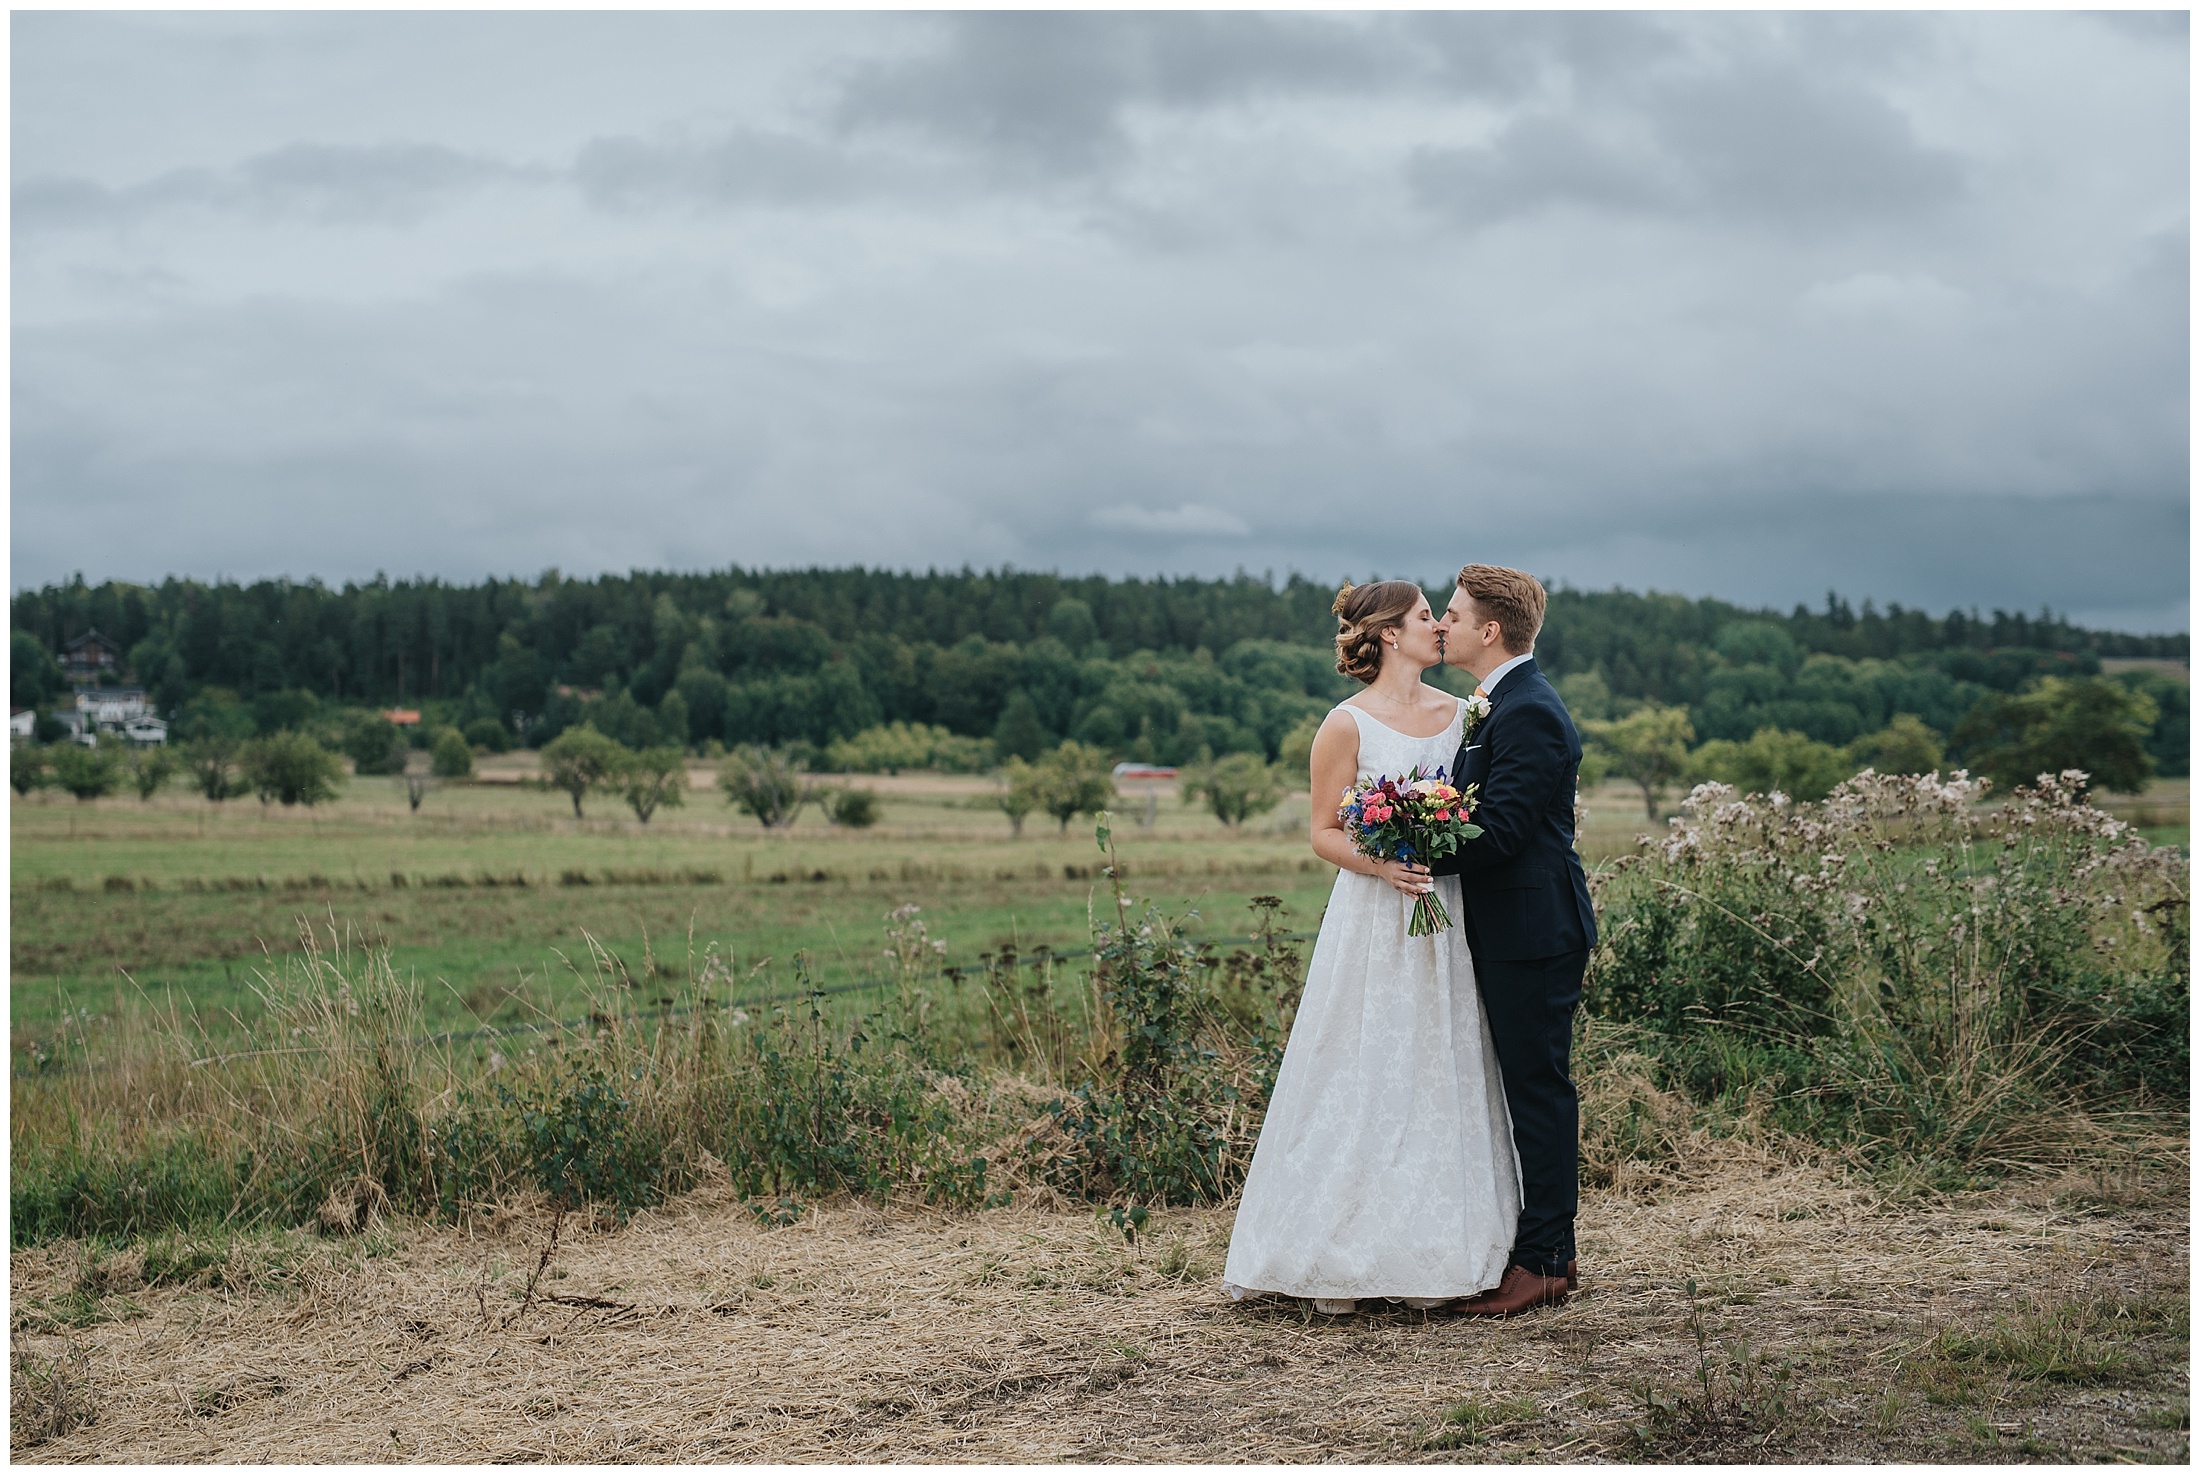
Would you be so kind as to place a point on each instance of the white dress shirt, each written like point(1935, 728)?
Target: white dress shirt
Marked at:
point(1490, 682)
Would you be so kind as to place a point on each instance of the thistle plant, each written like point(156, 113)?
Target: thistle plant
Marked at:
point(1901, 967)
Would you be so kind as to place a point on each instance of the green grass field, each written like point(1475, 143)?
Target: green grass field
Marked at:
point(493, 892)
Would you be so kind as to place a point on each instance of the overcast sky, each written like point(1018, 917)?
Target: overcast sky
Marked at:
point(1747, 305)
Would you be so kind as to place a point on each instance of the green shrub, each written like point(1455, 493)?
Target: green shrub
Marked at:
point(2082, 724)
point(291, 768)
point(451, 756)
point(27, 769)
point(584, 1142)
point(858, 809)
point(893, 746)
point(374, 744)
point(1236, 787)
point(487, 732)
point(1897, 969)
point(1905, 745)
point(1295, 757)
point(767, 783)
point(1773, 761)
point(88, 773)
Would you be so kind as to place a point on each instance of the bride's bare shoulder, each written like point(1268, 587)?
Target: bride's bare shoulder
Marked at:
point(1338, 730)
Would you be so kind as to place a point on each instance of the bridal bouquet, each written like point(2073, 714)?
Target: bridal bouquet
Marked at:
point(1418, 818)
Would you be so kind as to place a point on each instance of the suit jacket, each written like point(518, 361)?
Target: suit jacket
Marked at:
point(1526, 896)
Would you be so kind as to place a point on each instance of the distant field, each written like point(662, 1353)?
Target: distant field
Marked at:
point(492, 891)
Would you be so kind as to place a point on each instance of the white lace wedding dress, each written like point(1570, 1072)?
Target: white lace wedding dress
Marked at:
point(1386, 1164)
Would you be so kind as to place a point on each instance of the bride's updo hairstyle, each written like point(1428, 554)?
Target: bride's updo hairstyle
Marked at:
point(1363, 614)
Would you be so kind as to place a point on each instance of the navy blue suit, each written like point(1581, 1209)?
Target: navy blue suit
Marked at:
point(1529, 926)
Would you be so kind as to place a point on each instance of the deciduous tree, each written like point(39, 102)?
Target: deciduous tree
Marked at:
point(212, 763)
point(768, 783)
point(654, 778)
point(291, 768)
point(1074, 780)
point(150, 768)
point(1236, 787)
point(1905, 745)
point(1649, 746)
point(88, 773)
point(579, 759)
point(2099, 727)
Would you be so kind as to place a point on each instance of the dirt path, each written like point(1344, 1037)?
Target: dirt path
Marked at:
point(856, 1335)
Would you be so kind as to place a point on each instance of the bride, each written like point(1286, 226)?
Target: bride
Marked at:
point(1385, 1167)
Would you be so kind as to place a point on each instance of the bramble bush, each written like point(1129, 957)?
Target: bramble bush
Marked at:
point(1901, 970)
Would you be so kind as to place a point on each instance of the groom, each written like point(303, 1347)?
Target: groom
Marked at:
point(1528, 922)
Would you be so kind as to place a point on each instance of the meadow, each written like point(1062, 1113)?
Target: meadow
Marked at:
point(538, 1144)
point(492, 888)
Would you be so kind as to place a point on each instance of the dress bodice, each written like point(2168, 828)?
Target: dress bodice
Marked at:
point(1387, 753)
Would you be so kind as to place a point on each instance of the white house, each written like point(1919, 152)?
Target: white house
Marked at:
point(120, 709)
point(111, 706)
point(22, 724)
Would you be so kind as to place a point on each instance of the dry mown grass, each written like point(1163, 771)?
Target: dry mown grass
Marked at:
point(2045, 1321)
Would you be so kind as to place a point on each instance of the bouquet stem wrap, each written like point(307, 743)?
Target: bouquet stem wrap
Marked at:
point(1429, 916)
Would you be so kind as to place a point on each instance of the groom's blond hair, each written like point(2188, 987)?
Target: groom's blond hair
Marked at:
point(1513, 599)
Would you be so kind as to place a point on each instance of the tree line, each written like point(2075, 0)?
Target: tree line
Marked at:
point(987, 666)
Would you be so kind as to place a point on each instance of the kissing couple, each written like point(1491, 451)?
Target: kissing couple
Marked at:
point(1422, 1141)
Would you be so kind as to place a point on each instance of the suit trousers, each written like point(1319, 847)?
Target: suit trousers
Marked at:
point(1530, 1006)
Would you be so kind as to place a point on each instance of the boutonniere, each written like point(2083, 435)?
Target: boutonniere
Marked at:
point(1478, 707)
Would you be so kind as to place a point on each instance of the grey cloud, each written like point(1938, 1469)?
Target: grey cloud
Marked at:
point(741, 166)
point(1538, 162)
point(2171, 26)
point(1792, 146)
point(392, 182)
point(1049, 88)
point(395, 183)
point(1768, 145)
point(1123, 292)
point(1507, 54)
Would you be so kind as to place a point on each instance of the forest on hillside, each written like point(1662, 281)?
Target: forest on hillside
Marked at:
point(1150, 669)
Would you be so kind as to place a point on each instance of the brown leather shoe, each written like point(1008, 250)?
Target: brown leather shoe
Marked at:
point(1573, 1276)
point(1521, 1290)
